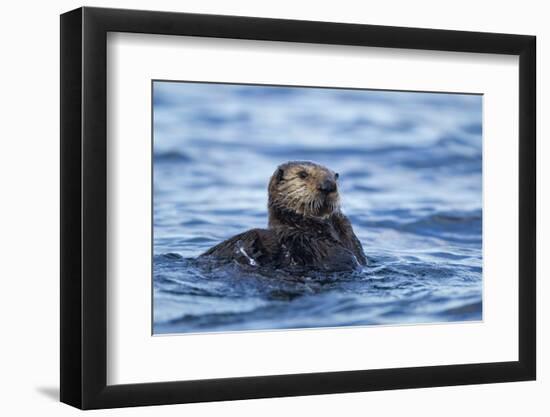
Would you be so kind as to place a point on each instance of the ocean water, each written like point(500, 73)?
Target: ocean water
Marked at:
point(410, 169)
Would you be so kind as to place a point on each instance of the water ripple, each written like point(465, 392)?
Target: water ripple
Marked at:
point(410, 177)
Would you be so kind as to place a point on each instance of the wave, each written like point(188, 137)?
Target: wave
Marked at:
point(171, 156)
point(407, 162)
point(448, 154)
point(195, 295)
point(456, 226)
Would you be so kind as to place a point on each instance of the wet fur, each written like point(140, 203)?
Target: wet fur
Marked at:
point(306, 227)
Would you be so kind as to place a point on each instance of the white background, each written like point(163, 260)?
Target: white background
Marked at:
point(133, 60)
point(30, 237)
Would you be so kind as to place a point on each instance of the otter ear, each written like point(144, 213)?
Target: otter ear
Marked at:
point(280, 174)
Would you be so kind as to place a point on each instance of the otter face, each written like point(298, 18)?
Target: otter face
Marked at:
point(305, 188)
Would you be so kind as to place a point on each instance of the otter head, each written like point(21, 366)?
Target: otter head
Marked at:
point(304, 188)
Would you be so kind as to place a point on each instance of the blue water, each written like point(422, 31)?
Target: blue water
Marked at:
point(410, 181)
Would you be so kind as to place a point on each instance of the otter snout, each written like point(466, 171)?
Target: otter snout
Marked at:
point(327, 186)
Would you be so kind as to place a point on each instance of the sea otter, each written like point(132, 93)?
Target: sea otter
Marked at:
point(306, 227)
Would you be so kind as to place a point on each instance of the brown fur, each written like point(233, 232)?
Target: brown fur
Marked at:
point(306, 227)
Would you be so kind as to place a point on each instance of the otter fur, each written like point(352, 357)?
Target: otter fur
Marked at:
point(306, 227)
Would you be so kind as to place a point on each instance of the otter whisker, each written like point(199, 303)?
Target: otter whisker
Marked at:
point(315, 204)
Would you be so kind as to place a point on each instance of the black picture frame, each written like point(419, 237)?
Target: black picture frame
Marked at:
point(84, 207)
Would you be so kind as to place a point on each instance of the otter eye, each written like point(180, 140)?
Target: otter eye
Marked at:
point(336, 176)
point(302, 174)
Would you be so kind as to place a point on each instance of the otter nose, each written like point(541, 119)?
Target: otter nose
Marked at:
point(327, 186)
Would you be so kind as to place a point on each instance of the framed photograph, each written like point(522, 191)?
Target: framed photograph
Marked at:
point(258, 207)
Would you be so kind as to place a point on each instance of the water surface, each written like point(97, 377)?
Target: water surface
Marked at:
point(410, 181)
